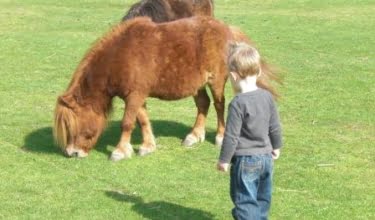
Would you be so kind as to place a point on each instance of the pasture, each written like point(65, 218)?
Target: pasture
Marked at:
point(327, 166)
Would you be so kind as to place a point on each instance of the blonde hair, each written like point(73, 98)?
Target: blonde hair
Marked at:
point(244, 60)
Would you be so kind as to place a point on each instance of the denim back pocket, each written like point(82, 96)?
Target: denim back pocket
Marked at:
point(251, 168)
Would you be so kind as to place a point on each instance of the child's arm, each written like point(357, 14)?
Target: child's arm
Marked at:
point(275, 132)
point(231, 135)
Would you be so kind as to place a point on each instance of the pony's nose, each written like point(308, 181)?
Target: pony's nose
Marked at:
point(74, 152)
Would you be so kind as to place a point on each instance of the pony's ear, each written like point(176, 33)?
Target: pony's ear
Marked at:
point(68, 101)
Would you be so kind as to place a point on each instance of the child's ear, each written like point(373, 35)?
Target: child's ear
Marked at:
point(234, 76)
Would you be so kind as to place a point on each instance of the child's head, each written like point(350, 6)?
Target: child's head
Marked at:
point(244, 60)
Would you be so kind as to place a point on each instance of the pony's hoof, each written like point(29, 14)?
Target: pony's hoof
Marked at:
point(191, 139)
point(120, 154)
point(219, 140)
point(143, 151)
point(116, 156)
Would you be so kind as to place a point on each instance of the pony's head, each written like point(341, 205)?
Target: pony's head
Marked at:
point(77, 127)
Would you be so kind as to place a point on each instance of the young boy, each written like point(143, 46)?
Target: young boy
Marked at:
point(252, 138)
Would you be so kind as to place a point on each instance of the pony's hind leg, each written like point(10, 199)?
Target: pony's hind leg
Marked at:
point(124, 149)
point(202, 101)
point(148, 144)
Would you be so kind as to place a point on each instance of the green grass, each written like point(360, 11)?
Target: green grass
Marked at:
point(326, 49)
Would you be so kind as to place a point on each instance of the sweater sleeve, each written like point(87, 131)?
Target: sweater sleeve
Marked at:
point(275, 128)
point(232, 134)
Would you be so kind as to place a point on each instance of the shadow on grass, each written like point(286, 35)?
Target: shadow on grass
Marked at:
point(159, 210)
point(41, 140)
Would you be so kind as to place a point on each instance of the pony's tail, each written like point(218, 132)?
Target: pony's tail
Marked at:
point(238, 36)
point(65, 125)
point(270, 74)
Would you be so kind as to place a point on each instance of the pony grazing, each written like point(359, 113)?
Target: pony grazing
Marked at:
point(170, 10)
point(140, 59)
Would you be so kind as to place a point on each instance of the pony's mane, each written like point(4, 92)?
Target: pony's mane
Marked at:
point(156, 9)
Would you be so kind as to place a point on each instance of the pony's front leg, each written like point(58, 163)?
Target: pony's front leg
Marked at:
point(202, 101)
point(124, 149)
point(220, 109)
point(148, 144)
point(219, 103)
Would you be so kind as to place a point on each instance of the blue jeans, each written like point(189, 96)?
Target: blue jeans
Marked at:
point(251, 186)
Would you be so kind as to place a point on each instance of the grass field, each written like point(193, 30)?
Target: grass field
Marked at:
point(326, 170)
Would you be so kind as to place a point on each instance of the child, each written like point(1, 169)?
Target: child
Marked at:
point(252, 137)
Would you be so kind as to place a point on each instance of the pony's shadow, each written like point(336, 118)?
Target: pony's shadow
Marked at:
point(159, 210)
point(41, 140)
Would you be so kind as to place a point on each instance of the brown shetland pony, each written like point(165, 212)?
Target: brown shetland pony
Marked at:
point(140, 59)
point(170, 10)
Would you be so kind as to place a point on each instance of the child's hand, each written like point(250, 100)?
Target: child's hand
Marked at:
point(276, 154)
point(222, 166)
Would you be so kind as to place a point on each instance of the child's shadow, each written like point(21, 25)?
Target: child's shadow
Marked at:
point(41, 140)
point(160, 210)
